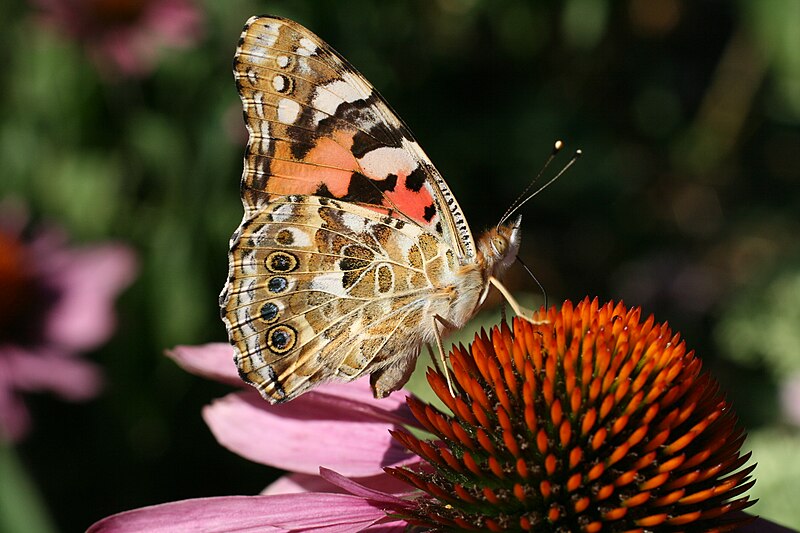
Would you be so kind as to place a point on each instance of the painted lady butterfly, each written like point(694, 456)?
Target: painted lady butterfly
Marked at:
point(353, 252)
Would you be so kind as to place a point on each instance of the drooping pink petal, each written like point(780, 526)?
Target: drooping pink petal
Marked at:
point(212, 361)
point(356, 400)
point(294, 483)
point(306, 433)
point(71, 378)
point(87, 280)
point(357, 489)
point(396, 526)
point(328, 513)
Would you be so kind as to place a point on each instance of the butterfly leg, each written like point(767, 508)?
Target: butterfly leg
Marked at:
point(519, 310)
point(446, 371)
point(433, 359)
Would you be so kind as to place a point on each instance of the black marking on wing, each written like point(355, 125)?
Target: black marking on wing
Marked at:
point(364, 143)
point(430, 211)
point(365, 190)
point(416, 179)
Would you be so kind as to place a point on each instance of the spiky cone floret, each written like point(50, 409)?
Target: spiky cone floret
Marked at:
point(591, 421)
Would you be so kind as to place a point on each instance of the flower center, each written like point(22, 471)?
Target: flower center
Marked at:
point(590, 421)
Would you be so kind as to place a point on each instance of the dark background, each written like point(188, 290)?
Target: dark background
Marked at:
point(686, 201)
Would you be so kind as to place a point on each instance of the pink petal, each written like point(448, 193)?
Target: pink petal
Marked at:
point(70, 378)
point(398, 526)
point(329, 513)
point(306, 433)
point(215, 361)
point(88, 280)
point(357, 489)
point(212, 361)
point(357, 400)
point(294, 483)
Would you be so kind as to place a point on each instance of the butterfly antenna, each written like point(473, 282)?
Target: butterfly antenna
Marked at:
point(518, 205)
point(556, 148)
point(530, 273)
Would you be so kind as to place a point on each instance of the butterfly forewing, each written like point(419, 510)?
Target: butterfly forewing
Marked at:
point(318, 127)
point(352, 245)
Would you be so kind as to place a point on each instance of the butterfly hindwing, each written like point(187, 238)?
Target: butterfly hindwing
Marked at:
point(321, 289)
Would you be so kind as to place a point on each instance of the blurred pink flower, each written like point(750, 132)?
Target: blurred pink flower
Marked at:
point(55, 302)
point(335, 427)
point(125, 36)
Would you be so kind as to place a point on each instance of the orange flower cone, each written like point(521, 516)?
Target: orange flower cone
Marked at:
point(594, 420)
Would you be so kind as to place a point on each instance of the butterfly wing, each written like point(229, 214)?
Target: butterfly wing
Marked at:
point(317, 127)
point(325, 290)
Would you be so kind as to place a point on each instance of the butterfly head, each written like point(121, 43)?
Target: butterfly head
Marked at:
point(499, 246)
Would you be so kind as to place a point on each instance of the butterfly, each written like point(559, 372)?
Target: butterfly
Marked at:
point(353, 252)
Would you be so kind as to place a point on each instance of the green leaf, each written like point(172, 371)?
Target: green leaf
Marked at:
point(21, 506)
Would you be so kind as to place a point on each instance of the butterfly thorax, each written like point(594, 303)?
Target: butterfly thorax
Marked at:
point(496, 250)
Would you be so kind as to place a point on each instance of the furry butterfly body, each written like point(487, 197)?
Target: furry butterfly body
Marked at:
point(353, 252)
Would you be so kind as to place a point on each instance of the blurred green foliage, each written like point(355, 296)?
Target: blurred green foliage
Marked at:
point(685, 203)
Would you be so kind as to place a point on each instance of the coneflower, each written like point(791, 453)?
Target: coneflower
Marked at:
point(594, 420)
point(591, 421)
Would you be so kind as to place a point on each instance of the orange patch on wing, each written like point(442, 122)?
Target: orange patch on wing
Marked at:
point(411, 203)
point(329, 162)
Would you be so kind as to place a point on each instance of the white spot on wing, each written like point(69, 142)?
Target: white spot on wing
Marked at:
point(381, 162)
point(258, 100)
point(269, 35)
point(278, 83)
point(259, 130)
point(327, 98)
point(301, 238)
point(306, 47)
point(288, 110)
point(358, 83)
point(354, 223)
point(282, 61)
point(282, 213)
point(330, 282)
point(263, 38)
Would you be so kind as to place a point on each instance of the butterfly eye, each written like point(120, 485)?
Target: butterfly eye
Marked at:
point(499, 245)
